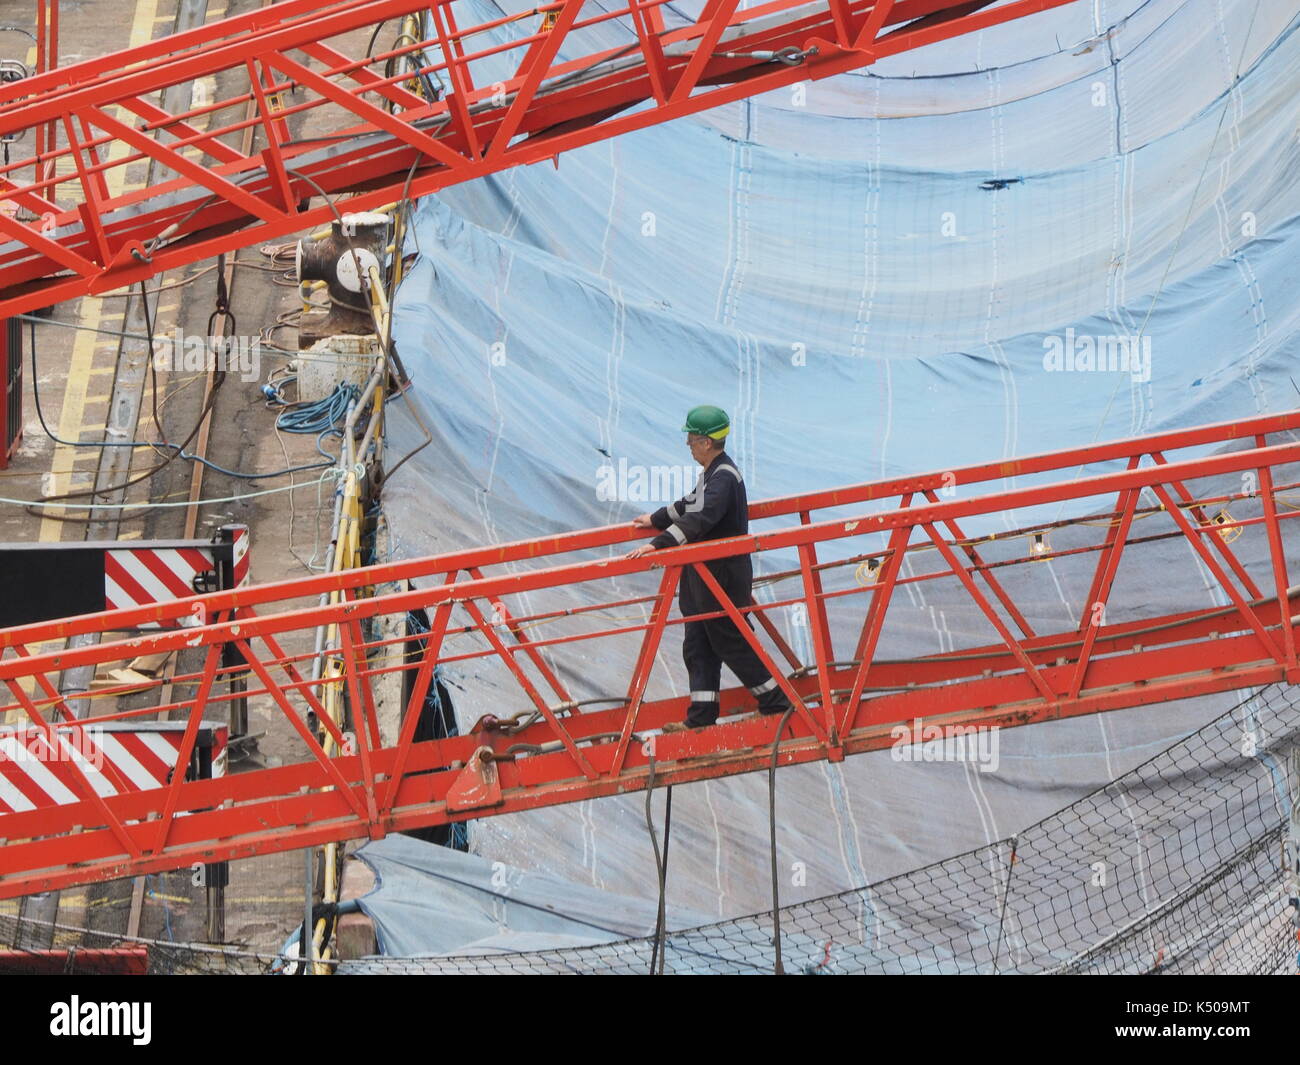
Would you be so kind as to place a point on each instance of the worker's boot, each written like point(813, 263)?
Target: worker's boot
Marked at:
point(771, 699)
point(702, 713)
point(703, 710)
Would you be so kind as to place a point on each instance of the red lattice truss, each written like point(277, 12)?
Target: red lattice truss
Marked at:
point(836, 561)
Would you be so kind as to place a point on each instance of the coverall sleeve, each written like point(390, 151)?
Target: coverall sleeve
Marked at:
point(665, 516)
point(697, 519)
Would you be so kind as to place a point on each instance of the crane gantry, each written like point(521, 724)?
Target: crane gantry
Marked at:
point(836, 561)
point(460, 103)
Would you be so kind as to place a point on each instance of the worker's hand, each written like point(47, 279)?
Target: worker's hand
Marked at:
point(644, 549)
point(642, 522)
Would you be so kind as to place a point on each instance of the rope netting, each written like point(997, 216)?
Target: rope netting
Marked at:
point(1176, 866)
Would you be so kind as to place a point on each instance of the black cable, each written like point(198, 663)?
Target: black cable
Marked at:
point(153, 366)
point(403, 379)
point(178, 450)
point(155, 241)
point(1006, 894)
point(71, 443)
point(660, 864)
point(420, 59)
point(668, 829)
point(777, 967)
point(374, 37)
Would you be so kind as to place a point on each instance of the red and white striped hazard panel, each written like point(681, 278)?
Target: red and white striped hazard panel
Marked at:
point(115, 758)
point(239, 553)
point(140, 576)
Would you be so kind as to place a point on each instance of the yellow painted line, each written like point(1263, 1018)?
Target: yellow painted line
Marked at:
point(93, 313)
point(146, 12)
point(261, 899)
point(168, 898)
point(111, 903)
point(74, 398)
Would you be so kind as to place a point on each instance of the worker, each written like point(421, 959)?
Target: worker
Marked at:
point(716, 508)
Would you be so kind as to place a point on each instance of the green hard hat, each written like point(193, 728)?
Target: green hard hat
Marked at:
point(708, 421)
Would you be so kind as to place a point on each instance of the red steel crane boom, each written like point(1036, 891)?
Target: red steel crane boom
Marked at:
point(836, 558)
point(382, 138)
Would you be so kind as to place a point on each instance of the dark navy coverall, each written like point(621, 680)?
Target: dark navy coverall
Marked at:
point(714, 509)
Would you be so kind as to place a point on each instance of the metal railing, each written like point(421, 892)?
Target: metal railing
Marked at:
point(834, 559)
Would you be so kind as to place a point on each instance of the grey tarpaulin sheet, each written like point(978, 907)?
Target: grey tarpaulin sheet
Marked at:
point(431, 900)
point(1200, 894)
point(833, 271)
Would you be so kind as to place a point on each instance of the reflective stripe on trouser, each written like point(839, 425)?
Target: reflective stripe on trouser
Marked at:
point(706, 647)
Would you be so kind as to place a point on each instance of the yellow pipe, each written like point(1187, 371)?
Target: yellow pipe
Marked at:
point(347, 555)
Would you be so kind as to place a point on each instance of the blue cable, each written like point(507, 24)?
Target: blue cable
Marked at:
point(317, 417)
point(167, 910)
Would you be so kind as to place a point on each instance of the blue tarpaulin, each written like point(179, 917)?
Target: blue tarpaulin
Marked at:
point(1080, 226)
